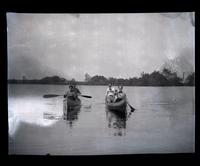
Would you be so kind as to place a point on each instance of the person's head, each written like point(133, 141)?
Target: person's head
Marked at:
point(110, 86)
point(74, 86)
point(120, 87)
point(73, 83)
point(70, 87)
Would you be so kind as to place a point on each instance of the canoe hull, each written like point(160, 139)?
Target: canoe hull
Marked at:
point(69, 104)
point(117, 106)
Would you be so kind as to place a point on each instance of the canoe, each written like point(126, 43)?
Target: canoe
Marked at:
point(119, 106)
point(72, 103)
point(69, 104)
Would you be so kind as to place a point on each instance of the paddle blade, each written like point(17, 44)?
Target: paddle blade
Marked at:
point(86, 96)
point(132, 109)
point(51, 95)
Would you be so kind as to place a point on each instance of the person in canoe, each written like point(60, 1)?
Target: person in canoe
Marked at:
point(110, 93)
point(72, 93)
point(76, 91)
point(120, 94)
point(69, 93)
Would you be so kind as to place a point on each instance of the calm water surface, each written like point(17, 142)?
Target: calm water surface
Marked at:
point(163, 122)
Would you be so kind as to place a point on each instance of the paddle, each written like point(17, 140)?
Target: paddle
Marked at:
point(55, 95)
point(132, 109)
point(51, 95)
point(86, 96)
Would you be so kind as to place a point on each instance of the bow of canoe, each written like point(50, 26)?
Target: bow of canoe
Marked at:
point(118, 106)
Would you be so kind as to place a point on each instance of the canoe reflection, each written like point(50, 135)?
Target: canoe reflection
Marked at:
point(71, 115)
point(117, 122)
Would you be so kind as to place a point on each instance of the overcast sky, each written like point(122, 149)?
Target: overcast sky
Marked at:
point(113, 45)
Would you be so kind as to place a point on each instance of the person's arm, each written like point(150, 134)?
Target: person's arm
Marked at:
point(66, 94)
point(78, 92)
point(113, 89)
point(106, 92)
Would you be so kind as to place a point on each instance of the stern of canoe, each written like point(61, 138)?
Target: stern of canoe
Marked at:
point(69, 104)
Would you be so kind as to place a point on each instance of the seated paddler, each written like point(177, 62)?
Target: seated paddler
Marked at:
point(110, 93)
point(120, 94)
point(76, 91)
point(73, 92)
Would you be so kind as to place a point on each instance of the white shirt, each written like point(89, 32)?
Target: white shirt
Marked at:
point(110, 91)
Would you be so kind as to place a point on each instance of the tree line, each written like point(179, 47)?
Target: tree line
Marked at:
point(45, 80)
point(156, 78)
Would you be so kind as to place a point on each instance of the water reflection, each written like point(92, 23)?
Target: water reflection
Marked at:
point(71, 115)
point(117, 121)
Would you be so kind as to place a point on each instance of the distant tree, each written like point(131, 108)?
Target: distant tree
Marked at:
point(156, 78)
point(98, 80)
point(23, 77)
point(172, 77)
point(190, 80)
point(121, 81)
point(144, 80)
point(167, 73)
point(52, 80)
point(73, 80)
point(87, 77)
point(133, 81)
point(112, 80)
point(141, 75)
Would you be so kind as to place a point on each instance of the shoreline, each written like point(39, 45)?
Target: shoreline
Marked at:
point(104, 85)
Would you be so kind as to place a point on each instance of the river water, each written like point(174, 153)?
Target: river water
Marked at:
point(163, 122)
